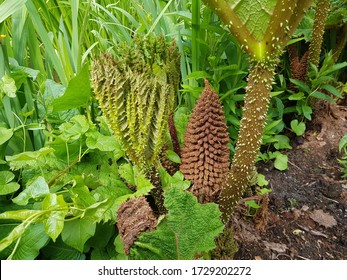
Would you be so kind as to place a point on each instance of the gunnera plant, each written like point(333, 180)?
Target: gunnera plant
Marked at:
point(136, 88)
point(263, 28)
point(205, 154)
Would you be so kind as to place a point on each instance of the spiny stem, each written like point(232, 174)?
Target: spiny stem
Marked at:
point(322, 10)
point(253, 121)
point(284, 20)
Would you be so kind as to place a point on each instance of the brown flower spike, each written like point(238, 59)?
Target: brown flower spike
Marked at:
point(205, 155)
point(298, 67)
point(134, 216)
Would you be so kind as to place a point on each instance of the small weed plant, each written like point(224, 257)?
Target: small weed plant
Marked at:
point(343, 159)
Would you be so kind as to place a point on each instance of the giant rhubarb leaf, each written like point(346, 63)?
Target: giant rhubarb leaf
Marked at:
point(263, 27)
point(190, 228)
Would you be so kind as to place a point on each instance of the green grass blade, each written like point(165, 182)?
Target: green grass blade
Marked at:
point(8, 7)
point(49, 48)
point(34, 49)
point(108, 21)
point(19, 35)
point(75, 35)
point(158, 18)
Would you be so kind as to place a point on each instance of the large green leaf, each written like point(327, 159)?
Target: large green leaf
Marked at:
point(6, 186)
point(81, 196)
point(126, 171)
point(54, 223)
point(32, 239)
point(255, 15)
point(37, 189)
point(20, 214)
point(176, 180)
point(5, 230)
point(102, 235)
point(190, 228)
point(97, 211)
point(338, 13)
point(77, 93)
point(112, 192)
point(8, 86)
point(58, 250)
point(31, 242)
point(135, 177)
point(29, 159)
point(6, 134)
point(77, 232)
point(96, 140)
point(262, 27)
point(74, 129)
point(17, 232)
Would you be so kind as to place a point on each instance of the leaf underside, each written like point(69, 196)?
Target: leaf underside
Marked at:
point(262, 27)
point(255, 15)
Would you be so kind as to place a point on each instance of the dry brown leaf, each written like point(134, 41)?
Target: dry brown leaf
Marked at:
point(278, 247)
point(322, 218)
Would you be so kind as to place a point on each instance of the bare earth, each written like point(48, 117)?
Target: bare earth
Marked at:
point(305, 215)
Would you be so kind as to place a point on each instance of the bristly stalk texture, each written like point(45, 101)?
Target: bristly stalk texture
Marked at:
point(322, 11)
point(252, 124)
point(205, 154)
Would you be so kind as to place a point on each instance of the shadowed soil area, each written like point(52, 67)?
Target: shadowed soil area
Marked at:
point(305, 215)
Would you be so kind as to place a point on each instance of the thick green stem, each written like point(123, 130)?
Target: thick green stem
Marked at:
point(257, 100)
point(321, 15)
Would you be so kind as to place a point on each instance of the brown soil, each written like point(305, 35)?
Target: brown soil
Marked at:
point(305, 215)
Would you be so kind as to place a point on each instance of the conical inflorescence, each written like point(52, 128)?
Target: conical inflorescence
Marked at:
point(205, 154)
point(136, 88)
point(298, 66)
